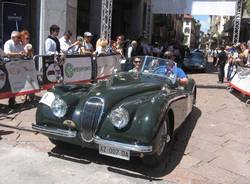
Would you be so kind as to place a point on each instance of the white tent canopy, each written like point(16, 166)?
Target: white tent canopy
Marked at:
point(194, 7)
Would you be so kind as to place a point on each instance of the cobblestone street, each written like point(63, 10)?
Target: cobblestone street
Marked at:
point(212, 147)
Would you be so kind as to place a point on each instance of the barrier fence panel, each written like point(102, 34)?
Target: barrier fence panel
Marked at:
point(4, 82)
point(20, 77)
point(77, 69)
point(106, 65)
point(241, 80)
point(50, 71)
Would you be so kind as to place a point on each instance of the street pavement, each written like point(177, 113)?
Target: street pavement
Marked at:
point(212, 147)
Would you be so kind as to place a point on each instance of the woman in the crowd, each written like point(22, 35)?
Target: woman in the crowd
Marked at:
point(25, 40)
point(101, 47)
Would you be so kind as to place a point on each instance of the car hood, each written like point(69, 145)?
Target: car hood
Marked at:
point(127, 84)
point(112, 90)
point(123, 85)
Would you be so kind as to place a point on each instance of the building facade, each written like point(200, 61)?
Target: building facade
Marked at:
point(167, 28)
point(191, 31)
point(19, 15)
point(129, 17)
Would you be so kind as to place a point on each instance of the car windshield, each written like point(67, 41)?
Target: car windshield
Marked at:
point(160, 67)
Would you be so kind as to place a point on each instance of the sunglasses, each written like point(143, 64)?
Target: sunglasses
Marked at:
point(137, 61)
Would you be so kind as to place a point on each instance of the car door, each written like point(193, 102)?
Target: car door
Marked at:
point(179, 104)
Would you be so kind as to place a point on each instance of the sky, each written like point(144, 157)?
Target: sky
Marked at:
point(204, 20)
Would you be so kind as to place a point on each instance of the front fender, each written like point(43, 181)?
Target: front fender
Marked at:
point(145, 119)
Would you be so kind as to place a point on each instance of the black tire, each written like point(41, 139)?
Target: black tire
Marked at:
point(162, 155)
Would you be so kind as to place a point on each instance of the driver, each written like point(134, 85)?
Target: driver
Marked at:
point(137, 64)
point(179, 73)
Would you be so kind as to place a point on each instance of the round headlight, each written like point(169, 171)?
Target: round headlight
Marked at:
point(59, 108)
point(119, 117)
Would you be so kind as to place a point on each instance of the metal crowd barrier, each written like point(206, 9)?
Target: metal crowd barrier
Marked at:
point(26, 76)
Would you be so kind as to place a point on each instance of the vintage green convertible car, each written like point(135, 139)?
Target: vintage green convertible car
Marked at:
point(128, 114)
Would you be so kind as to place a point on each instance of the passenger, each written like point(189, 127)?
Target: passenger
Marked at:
point(137, 65)
point(25, 40)
point(52, 44)
point(87, 48)
point(181, 77)
point(13, 47)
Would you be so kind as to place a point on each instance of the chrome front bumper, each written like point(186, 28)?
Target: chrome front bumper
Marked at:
point(97, 140)
point(130, 147)
point(54, 131)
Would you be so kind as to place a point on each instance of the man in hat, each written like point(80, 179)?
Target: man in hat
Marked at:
point(180, 75)
point(87, 47)
point(13, 47)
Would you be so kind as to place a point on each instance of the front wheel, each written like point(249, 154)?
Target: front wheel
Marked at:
point(162, 155)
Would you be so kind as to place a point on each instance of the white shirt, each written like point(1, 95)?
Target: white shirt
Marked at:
point(10, 46)
point(50, 47)
point(87, 46)
point(100, 50)
point(64, 44)
point(130, 51)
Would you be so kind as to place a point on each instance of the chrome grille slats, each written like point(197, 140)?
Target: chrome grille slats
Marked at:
point(90, 118)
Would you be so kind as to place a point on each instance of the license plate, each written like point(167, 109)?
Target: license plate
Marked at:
point(114, 152)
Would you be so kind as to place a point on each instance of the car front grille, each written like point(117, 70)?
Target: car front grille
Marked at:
point(91, 117)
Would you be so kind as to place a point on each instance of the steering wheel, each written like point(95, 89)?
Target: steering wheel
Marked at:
point(160, 70)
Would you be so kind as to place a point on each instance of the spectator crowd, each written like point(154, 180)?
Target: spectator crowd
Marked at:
point(87, 45)
point(227, 58)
